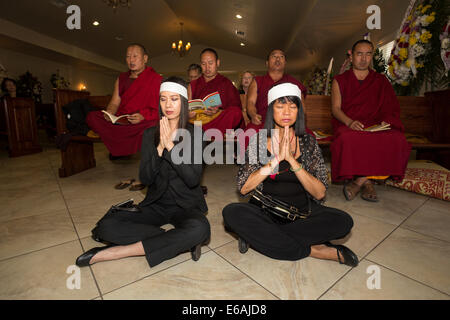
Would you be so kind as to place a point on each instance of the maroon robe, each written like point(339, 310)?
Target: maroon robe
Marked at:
point(231, 115)
point(140, 95)
point(361, 153)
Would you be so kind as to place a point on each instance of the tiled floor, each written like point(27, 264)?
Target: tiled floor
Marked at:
point(46, 223)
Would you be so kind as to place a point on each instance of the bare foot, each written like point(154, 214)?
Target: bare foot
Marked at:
point(322, 251)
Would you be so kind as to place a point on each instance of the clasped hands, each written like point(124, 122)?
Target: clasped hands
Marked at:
point(166, 136)
point(284, 147)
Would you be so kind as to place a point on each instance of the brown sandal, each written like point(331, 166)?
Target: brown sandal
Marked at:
point(351, 190)
point(137, 186)
point(124, 184)
point(368, 192)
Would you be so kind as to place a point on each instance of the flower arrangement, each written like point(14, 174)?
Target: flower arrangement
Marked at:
point(317, 81)
point(30, 87)
point(58, 81)
point(412, 59)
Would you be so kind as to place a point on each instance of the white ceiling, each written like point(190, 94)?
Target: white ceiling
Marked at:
point(310, 31)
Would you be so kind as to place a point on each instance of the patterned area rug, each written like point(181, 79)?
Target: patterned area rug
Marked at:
point(425, 177)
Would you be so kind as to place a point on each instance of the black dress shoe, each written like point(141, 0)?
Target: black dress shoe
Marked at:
point(85, 258)
point(196, 252)
point(205, 190)
point(243, 245)
point(350, 258)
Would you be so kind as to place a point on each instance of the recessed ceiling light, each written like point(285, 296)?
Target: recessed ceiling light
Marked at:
point(242, 44)
point(238, 16)
point(118, 38)
point(95, 23)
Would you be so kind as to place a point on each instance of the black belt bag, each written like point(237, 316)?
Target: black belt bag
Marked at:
point(280, 211)
point(127, 205)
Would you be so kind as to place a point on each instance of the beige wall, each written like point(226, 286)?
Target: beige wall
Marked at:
point(18, 63)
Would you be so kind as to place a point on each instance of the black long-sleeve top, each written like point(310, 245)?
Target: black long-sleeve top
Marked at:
point(162, 175)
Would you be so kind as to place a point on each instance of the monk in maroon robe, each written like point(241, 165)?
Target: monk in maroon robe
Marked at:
point(257, 92)
point(211, 81)
point(136, 93)
point(362, 98)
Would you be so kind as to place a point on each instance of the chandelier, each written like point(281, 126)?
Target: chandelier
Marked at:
point(181, 49)
point(116, 3)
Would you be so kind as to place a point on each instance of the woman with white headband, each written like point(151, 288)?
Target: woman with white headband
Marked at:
point(174, 195)
point(285, 218)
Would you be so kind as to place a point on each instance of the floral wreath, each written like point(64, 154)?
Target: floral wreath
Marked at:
point(412, 45)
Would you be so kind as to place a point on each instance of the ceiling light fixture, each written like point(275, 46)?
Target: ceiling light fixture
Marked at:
point(238, 16)
point(180, 48)
point(118, 3)
point(242, 44)
point(95, 23)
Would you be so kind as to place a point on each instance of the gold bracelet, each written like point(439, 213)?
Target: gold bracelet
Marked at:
point(298, 169)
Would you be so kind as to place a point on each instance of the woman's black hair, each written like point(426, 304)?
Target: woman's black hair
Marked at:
point(299, 126)
point(4, 84)
point(183, 120)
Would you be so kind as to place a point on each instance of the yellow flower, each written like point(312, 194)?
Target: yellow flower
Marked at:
point(408, 63)
point(409, 18)
point(419, 65)
point(425, 36)
point(426, 8)
point(430, 18)
point(405, 83)
point(412, 41)
point(403, 53)
point(402, 39)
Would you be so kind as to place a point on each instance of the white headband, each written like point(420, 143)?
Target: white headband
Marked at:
point(174, 87)
point(283, 90)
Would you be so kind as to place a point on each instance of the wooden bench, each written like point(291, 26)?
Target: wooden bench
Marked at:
point(425, 116)
point(79, 155)
point(18, 123)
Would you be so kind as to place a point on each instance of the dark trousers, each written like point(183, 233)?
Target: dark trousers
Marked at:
point(290, 241)
point(123, 228)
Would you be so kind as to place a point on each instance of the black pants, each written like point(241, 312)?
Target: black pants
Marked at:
point(123, 228)
point(290, 241)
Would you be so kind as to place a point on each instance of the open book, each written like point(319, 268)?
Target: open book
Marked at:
point(321, 135)
point(200, 105)
point(378, 127)
point(117, 120)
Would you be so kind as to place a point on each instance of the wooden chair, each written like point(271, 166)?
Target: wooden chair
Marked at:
point(18, 119)
point(79, 155)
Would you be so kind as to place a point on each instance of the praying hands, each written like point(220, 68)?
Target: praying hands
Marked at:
point(166, 135)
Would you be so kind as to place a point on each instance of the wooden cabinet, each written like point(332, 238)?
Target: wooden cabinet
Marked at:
point(20, 117)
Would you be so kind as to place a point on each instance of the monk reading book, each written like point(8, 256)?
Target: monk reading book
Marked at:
point(362, 98)
point(229, 114)
point(135, 98)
